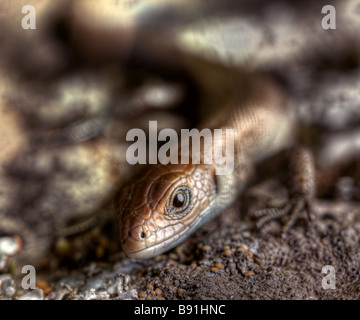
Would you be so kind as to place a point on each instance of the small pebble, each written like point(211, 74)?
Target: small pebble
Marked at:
point(243, 248)
point(193, 265)
point(206, 248)
point(249, 273)
point(152, 292)
point(148, 298)
point(150, 287)
point(9, 246)
point(161, 298)
point(251, 255)
point(158, 292)
point(180, 292)
point(44, 285)
point(214, 269)
point(142, 294)
point(218, 265)
point(225, 248)
point(227, 253)
point(9, 291)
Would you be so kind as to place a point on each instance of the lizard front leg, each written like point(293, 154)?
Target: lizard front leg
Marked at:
point(302, 186)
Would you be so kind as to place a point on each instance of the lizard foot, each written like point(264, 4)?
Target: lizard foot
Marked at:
point(293, 208)
point(302, 188)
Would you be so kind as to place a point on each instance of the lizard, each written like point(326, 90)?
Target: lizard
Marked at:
point(164, 204)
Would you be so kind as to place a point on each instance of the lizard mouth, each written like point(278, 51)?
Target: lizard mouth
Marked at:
point(142, 249)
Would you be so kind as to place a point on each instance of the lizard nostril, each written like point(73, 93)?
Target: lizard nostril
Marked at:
point(142, 235)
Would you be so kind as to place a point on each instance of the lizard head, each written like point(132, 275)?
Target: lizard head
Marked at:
point(162, 206)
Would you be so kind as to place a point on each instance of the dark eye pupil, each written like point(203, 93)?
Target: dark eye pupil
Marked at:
point(179, 200)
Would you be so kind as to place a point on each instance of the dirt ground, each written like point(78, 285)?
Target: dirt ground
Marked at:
point(224, 260)
point(229, 259)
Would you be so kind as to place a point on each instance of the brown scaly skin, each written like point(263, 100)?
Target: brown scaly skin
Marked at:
point(147, 216)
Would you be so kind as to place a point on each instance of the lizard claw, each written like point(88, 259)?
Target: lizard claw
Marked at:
point(302, 192)
point(293, 208)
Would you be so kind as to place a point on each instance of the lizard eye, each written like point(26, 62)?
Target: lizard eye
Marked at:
point(179, 201)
